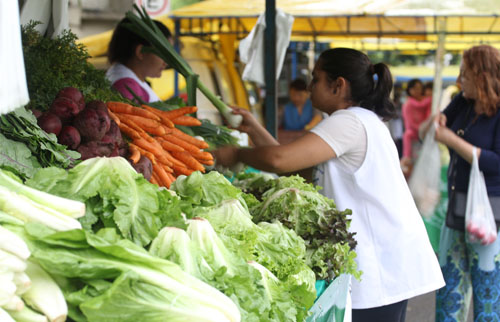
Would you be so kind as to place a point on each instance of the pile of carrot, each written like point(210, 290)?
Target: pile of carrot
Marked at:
point(153, 134)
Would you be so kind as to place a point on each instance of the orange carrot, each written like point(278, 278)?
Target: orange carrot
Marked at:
point(182, 170)
point(162, 175)
point(171, 176)
point(169, 146)
point(156, 150)
point(125, 120)
point(174, 160)
point(133, 134)
point(172, 114)
point(188, 138)
point(159, 130)
point(165, 120)
point(207, 162)
point(186, 120)
point(179, 142)
point(202, 155)
point(167, 168)
point(136, 155)
point(154, 179)
point(124, 108)
point(188, 160)
point(145, 153)
point(114, 117)
point(139, 120)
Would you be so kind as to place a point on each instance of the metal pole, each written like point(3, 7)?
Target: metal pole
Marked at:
point(437, 88)
point(270, 68)
point(177, 49)
point(293, 47)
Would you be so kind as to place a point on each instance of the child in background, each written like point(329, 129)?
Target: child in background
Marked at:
point(299, 111)
point(416, 109)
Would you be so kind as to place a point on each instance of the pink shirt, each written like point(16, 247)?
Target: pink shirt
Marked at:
point(122, 84)
point(414, 113)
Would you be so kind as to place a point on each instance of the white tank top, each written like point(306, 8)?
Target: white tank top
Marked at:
point(393, 249)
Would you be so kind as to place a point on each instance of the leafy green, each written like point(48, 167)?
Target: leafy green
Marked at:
point(299, 206)
point(202, 190)
point(20, 125)
point(215, 135)
point(116, 196)
point(141, 283)
point(54, 63)
point(17, 158)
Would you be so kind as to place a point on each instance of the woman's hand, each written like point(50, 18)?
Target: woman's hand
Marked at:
point(249, 123)
point(226, 156)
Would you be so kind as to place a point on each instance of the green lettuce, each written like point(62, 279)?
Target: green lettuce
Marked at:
point(140, 282)
point(116, 196)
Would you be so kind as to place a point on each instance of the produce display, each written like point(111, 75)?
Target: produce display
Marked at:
point(108, 211)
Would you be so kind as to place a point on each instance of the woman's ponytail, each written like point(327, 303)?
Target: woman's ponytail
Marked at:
point(379, 99)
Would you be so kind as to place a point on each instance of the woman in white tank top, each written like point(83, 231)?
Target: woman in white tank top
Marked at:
point(357, 165)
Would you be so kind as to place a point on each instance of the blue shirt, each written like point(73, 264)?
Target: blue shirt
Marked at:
point(483, 133)
point(292, 121)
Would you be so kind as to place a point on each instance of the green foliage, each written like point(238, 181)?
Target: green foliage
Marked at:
point(52, 64)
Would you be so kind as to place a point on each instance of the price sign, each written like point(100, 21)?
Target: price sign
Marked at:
point(155, 8)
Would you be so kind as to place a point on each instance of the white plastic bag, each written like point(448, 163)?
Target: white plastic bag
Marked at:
point(479, 219)
point(252, 47)
point(426, 176)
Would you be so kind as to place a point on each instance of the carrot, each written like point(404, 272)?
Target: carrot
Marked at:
point(154, 179)
point(159, 130)
point(139, 120)
point(136, 155)
point(114, 117)
point(167, 168)
point(169, 146)
point(179, 111)
point(124, 108)
point(179, 142)
point(145, 153)
point(171, 177)
point(162, 175)
point(202, 155)
point(182, 170)
point(133, 134)
point(154, 149)
point(174, 160)
point(188, 138)
point(207, 162)
point(186, 120)
point(165, 120)
point(125, 120)
point(188, 160)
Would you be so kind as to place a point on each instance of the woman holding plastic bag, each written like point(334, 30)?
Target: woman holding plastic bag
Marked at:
point(470, 127)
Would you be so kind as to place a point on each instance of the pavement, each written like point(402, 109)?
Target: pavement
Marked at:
point(422, 309)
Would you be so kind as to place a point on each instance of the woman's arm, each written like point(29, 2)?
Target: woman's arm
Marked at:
point(455, 142)
point(307, 151)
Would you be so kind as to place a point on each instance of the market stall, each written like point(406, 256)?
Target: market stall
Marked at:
point(109, 210)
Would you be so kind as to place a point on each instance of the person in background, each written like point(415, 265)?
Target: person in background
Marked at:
point(130, 64)
point(416, 109)
point(471, 267)
point(357, 164)
point(299, 111)
point(428, 87)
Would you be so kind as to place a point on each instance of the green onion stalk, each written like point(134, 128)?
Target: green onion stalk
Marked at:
point(145, 27)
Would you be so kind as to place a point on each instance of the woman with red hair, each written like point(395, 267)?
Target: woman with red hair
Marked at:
point(471, 122)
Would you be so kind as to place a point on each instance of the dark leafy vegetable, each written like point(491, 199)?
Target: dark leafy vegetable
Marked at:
point(21, 125)
point(17, 158)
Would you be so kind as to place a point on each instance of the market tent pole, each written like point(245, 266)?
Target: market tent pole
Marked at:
point(270, 68)
point(439, 62)
point(177, 47)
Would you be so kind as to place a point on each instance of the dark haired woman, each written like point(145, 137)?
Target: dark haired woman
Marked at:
point(357, 164)
point(471, 120)
point(416, 109)
point(131, 64)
